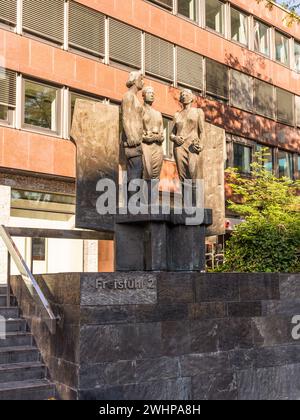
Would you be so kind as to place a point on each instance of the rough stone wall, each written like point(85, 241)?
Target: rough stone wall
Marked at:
point(178, 336)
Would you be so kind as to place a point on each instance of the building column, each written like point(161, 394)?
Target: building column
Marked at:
point(5, 193)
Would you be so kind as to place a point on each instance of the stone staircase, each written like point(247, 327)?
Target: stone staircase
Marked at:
point(23, 376)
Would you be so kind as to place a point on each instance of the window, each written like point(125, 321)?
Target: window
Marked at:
point(215, 15)
point(264, 98)
point(38, 247)
point(167, 4)
point(81, 20)
point(7, 96)
point(297, 56)
point(125, 44)
point(239, 26)
point(281, 48)
point(44, 17)
point(189, 68)
point(241, 90)
point(41, 106)
point(42, 205)
point(285, 106)
point(8, 11)
point(188, 8)
point(168, 145)
point(285, 164)
point(268, 157)
point(159, 57)
point(298, 166)
point(261, 38)
point(217, 83)
point(242, 157)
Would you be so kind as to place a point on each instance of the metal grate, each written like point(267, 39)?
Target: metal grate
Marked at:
point(189, 68)
point(86, 29)
point(8, 11)
point(285, 106)
point(159, 57)
point(263, 98)
point(8, 80)
point(44, 17)
point(217, 81)
point(125, 44)
point(241, 91)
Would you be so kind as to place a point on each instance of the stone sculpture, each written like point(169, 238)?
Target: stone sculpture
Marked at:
point(153, 137)
point(132, 118)
point(188, 137)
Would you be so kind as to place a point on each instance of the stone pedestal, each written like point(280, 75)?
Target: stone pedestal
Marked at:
point(160, 242)
point(169, 336)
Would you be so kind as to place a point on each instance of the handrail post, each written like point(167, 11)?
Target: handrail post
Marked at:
point(8, 279)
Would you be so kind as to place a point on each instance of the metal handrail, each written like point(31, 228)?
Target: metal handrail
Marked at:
point(34, 289)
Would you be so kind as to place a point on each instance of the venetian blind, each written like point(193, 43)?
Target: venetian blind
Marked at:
point(217, 82)
point(125, 44)
point(8, 11)
point(285, 106)
point(241, 90)
point(86, 29)
point(263, 98)
point(7, 87)
point(189, 68)
point(159, 57)
point(44, 17)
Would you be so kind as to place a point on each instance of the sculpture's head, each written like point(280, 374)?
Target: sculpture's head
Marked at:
point(186, 96)
point(136, 78)
point(148, 95)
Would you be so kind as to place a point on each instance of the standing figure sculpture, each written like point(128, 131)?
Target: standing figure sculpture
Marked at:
point(187, 136)
point(153, 138)
point(132, 118)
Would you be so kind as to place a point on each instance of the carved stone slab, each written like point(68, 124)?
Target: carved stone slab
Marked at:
point(95, 131)
point(213, 161)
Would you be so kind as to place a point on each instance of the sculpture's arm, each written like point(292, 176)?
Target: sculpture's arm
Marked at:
point(198, 143)
point(130, 124)
point(178, 140)
point(161, 130)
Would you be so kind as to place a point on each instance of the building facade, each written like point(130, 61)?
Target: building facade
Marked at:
point(240, 58)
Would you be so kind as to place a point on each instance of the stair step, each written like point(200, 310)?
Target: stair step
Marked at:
point(3, 300)
point(14, 372)
point(14, 339)
point(27, 390)
point(10, 313)
point(15, 325)
point(18, 354)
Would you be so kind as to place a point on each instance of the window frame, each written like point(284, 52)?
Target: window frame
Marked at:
point(224, 18)
point(230, 27)
point(246, 143)
point(197, 12)
point(58, 110)
point(269, 38)
point(288, 64)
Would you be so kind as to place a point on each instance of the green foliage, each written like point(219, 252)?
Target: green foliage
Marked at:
point(292, 7)
point(269, 239)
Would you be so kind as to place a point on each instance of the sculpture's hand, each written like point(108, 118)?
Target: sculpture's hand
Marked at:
point(148, 137)
point(178, 140)
point(196, 147)
point(131, 142)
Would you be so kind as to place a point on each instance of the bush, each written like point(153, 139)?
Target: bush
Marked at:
point(269, 238)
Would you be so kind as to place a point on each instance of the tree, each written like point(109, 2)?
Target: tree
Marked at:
point(269, 238)
point(292, 6)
